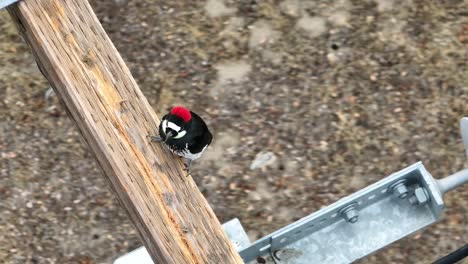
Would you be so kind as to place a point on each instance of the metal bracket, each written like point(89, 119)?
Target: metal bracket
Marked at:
point(336, 235)
point(388, 210)
point(380, 214)
point(5, 3)
point(464, 133)
point(236, 234)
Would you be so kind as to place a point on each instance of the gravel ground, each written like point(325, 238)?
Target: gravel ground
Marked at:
point(338, 94)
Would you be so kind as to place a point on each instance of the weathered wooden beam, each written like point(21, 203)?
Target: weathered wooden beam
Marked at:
point(77, 57)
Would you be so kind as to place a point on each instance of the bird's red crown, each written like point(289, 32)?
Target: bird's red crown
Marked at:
point(181, 112)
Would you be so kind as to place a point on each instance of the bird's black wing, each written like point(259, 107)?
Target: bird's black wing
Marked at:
point(203, 136)
point(200, 142)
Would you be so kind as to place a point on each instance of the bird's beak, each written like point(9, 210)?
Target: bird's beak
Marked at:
point(169, 135)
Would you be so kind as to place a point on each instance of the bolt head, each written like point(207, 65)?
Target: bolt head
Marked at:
point(354, 219)
point(351, 216)
point(400, 191)
point(413, 200)
point(421, 195)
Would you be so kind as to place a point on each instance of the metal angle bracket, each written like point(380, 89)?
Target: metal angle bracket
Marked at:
point(361, 223)
point(349, 229)
point(357, 225)
point(5, 3)
point(464, 133)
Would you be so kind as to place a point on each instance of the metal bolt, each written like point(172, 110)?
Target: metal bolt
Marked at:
point(420, 196)
point(413, 200)
point(399, 189)
point(350, 214)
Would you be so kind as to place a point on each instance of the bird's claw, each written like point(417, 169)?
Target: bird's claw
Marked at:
point(188, 168)
point(188, 171)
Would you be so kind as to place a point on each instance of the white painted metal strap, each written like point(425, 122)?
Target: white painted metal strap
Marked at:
point(5, 3)
point(233, 229)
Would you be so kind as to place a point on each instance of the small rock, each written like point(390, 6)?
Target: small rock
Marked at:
point(262, 33)
point(290, 7)
point(234, 71)
point(233, 26)
point(273, 57)
point(232, 186)
point(332, 58)
point(49, 93)
point(217, 8)
point(370, 19)
point(263, 159)
point(339, 18)
point(385, 5)
point(315, 26)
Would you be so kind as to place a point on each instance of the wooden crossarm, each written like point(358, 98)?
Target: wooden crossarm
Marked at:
point(92, 81)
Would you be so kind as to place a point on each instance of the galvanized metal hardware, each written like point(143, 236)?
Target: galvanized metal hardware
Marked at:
point(453, 181)
point(420, 197)
point(349, 213)
point(385, 215)
point(236, 234)
point(464, 133)
point(5, 3)
point(390, 209)
point(326, 236)
point(399, 189)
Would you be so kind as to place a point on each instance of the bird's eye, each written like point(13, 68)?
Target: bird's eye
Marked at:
point(180, 134)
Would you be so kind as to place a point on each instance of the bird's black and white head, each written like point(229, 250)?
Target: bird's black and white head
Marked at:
point(175, 124)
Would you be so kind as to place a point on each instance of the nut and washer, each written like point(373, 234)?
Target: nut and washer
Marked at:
point(420, 196)
point(399, 189)
point(349, 213)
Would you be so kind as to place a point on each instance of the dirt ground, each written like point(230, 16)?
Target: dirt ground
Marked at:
point(338, 94)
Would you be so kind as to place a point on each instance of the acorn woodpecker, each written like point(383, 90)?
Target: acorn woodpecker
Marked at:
point(184, 133)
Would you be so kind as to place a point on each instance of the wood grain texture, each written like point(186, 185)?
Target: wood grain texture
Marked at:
point(74, 53)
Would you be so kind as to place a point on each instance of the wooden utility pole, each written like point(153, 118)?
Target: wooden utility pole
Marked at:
point(86, 71)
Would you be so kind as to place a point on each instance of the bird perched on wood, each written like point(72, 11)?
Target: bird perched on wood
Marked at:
point(184, 133)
